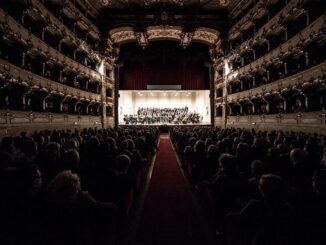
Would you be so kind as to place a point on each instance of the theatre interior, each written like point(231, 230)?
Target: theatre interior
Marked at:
point(162, 122)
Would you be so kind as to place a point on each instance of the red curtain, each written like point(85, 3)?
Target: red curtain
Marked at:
point(190, 75)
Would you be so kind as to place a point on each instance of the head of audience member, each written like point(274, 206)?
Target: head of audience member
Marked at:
point(208, 142)
point(121, 164)
point(228, 165)
point(199, 147)
point(30, 177)
point(272, 188)
point(64, 187)
point(70, 160)
point(71, 144)
point(273, 154)
point(242, 150)
point(54, 148)
point(123, 146)
point(298, 157)
point(192, 141)
point(319, 183)
point(130, 145)
point(212, 151)
point(112, 142)
point(258, 168)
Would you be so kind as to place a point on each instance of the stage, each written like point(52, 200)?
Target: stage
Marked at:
point(164, 107)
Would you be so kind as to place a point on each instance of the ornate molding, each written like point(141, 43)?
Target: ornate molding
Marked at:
point(125, 34)
point(164, 32)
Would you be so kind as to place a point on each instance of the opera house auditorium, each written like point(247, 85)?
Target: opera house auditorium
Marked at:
point(162, 122)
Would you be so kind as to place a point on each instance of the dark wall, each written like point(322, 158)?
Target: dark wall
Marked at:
point(164, 63)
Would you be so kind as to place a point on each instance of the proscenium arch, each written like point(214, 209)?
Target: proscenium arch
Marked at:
point(125, 34)
point(204, 35)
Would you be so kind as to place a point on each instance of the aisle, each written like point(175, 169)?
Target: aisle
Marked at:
point(169, 216)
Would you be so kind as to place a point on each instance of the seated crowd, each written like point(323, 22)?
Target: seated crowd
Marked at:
point(262, 187)
point(71, 187)
point(153, 115)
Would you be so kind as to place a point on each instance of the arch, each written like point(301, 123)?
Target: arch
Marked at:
point(277, 103)
point(35, 98)
point(52, 102)
point(261, 104)
point(125, 34)
point(235, 108)
point(247, 106)
point(219, 111)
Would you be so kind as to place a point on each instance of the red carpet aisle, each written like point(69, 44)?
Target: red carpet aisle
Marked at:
point(169, 216)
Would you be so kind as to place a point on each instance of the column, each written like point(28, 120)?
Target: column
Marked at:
point(284, 104)
point(23, 59)
point(43, 69)
point(267, 106)
point(24, 101)
point(306, 101)
point(306, 54)
point(44, 103)
point(43, 32)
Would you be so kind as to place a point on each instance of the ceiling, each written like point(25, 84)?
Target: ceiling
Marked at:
point(139, 14)
point(135, 5)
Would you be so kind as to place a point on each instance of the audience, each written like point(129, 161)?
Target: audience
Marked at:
point(264, 187)
point(70, 187)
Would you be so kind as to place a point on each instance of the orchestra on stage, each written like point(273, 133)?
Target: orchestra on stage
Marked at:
point(153, 115)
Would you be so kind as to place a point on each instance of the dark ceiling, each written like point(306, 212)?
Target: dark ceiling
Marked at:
point(190, 15)
point(134, 5)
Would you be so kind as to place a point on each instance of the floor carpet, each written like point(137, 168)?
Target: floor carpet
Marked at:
point(169, 215)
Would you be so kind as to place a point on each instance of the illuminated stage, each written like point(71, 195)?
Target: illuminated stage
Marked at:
point(197, 104)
